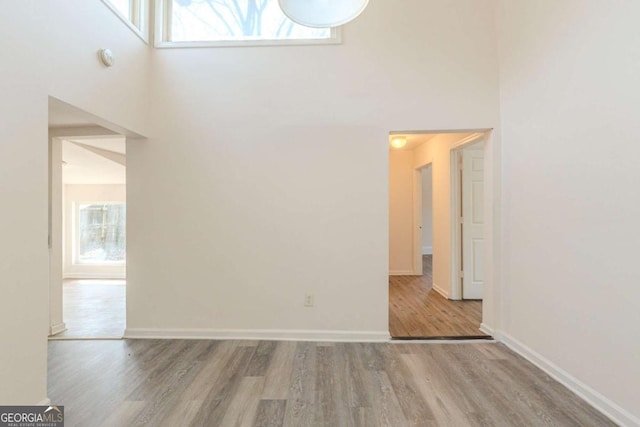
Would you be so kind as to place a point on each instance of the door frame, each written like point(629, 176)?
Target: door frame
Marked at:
point(56, 208)
point(456, 210)
point(417, 217)
point(492, 304)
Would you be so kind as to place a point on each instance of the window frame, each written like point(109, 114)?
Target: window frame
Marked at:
point(162, 32)
point(139, 22)
point(75, 234)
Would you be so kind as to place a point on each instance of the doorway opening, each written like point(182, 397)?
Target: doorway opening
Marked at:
point(94, 236)
point(436, 243)
point(87, 226)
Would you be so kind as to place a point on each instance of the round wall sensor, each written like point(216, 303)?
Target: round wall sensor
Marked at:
point(106, 57)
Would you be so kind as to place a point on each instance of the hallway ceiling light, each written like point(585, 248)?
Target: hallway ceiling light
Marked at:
point(322, 13)
point(398, 141)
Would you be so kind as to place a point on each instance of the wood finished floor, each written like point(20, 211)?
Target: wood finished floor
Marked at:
point(93, 309)
point(417, 310)
point(266, 383)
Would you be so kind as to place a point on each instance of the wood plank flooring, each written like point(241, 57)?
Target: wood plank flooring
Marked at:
point(93, 309)
point(417, 310)
point(259, 383)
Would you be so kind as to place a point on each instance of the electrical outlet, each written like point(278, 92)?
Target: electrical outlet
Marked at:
point(308, 300)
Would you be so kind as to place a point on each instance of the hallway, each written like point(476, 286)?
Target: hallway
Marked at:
point(416, 310)
point(93, 309)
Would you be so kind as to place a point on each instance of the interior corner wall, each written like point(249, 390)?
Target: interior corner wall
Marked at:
point(401, 233)
point(49, 50)
point(275, 163)
point(569, 123)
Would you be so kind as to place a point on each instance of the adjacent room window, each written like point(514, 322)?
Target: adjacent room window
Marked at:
point(235, 23)
point(100, 233)
point(133, 13)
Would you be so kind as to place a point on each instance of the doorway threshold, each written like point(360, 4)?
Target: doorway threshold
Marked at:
point(445, 338)
point(54, 338)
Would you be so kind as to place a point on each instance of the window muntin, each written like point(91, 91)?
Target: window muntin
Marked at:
point(235, 22)
point(134, 13)
point(100, 233)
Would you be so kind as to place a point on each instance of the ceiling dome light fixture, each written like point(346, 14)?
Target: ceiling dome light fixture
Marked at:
point(322, 13)
point(398, 141)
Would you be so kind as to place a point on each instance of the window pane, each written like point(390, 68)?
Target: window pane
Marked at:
point(101, 233)
point(122, 6)
point(228, 20)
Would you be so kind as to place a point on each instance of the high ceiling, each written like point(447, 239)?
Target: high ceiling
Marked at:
point(416, 139)
point(82, 165)
point(115, 144)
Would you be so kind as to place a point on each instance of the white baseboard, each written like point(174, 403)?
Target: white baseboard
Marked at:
point(402, 273)
point(269, 335)
point(610, 409)
point(44, 402)
point(427, 250)
point(487, 330)
point(441, 291)
point(56, 329)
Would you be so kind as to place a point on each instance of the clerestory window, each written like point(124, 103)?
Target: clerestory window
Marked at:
point(134, 13)
point(196, 23)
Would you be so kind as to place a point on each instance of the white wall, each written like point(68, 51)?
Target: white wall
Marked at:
point(569, 100)
point(401, 233)
point(74, 194)
point(75, 34)
point(24, 259)
point(52, 51)
point(275, 161)
point(427, 211)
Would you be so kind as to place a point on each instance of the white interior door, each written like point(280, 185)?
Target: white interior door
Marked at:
point(472, 223)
